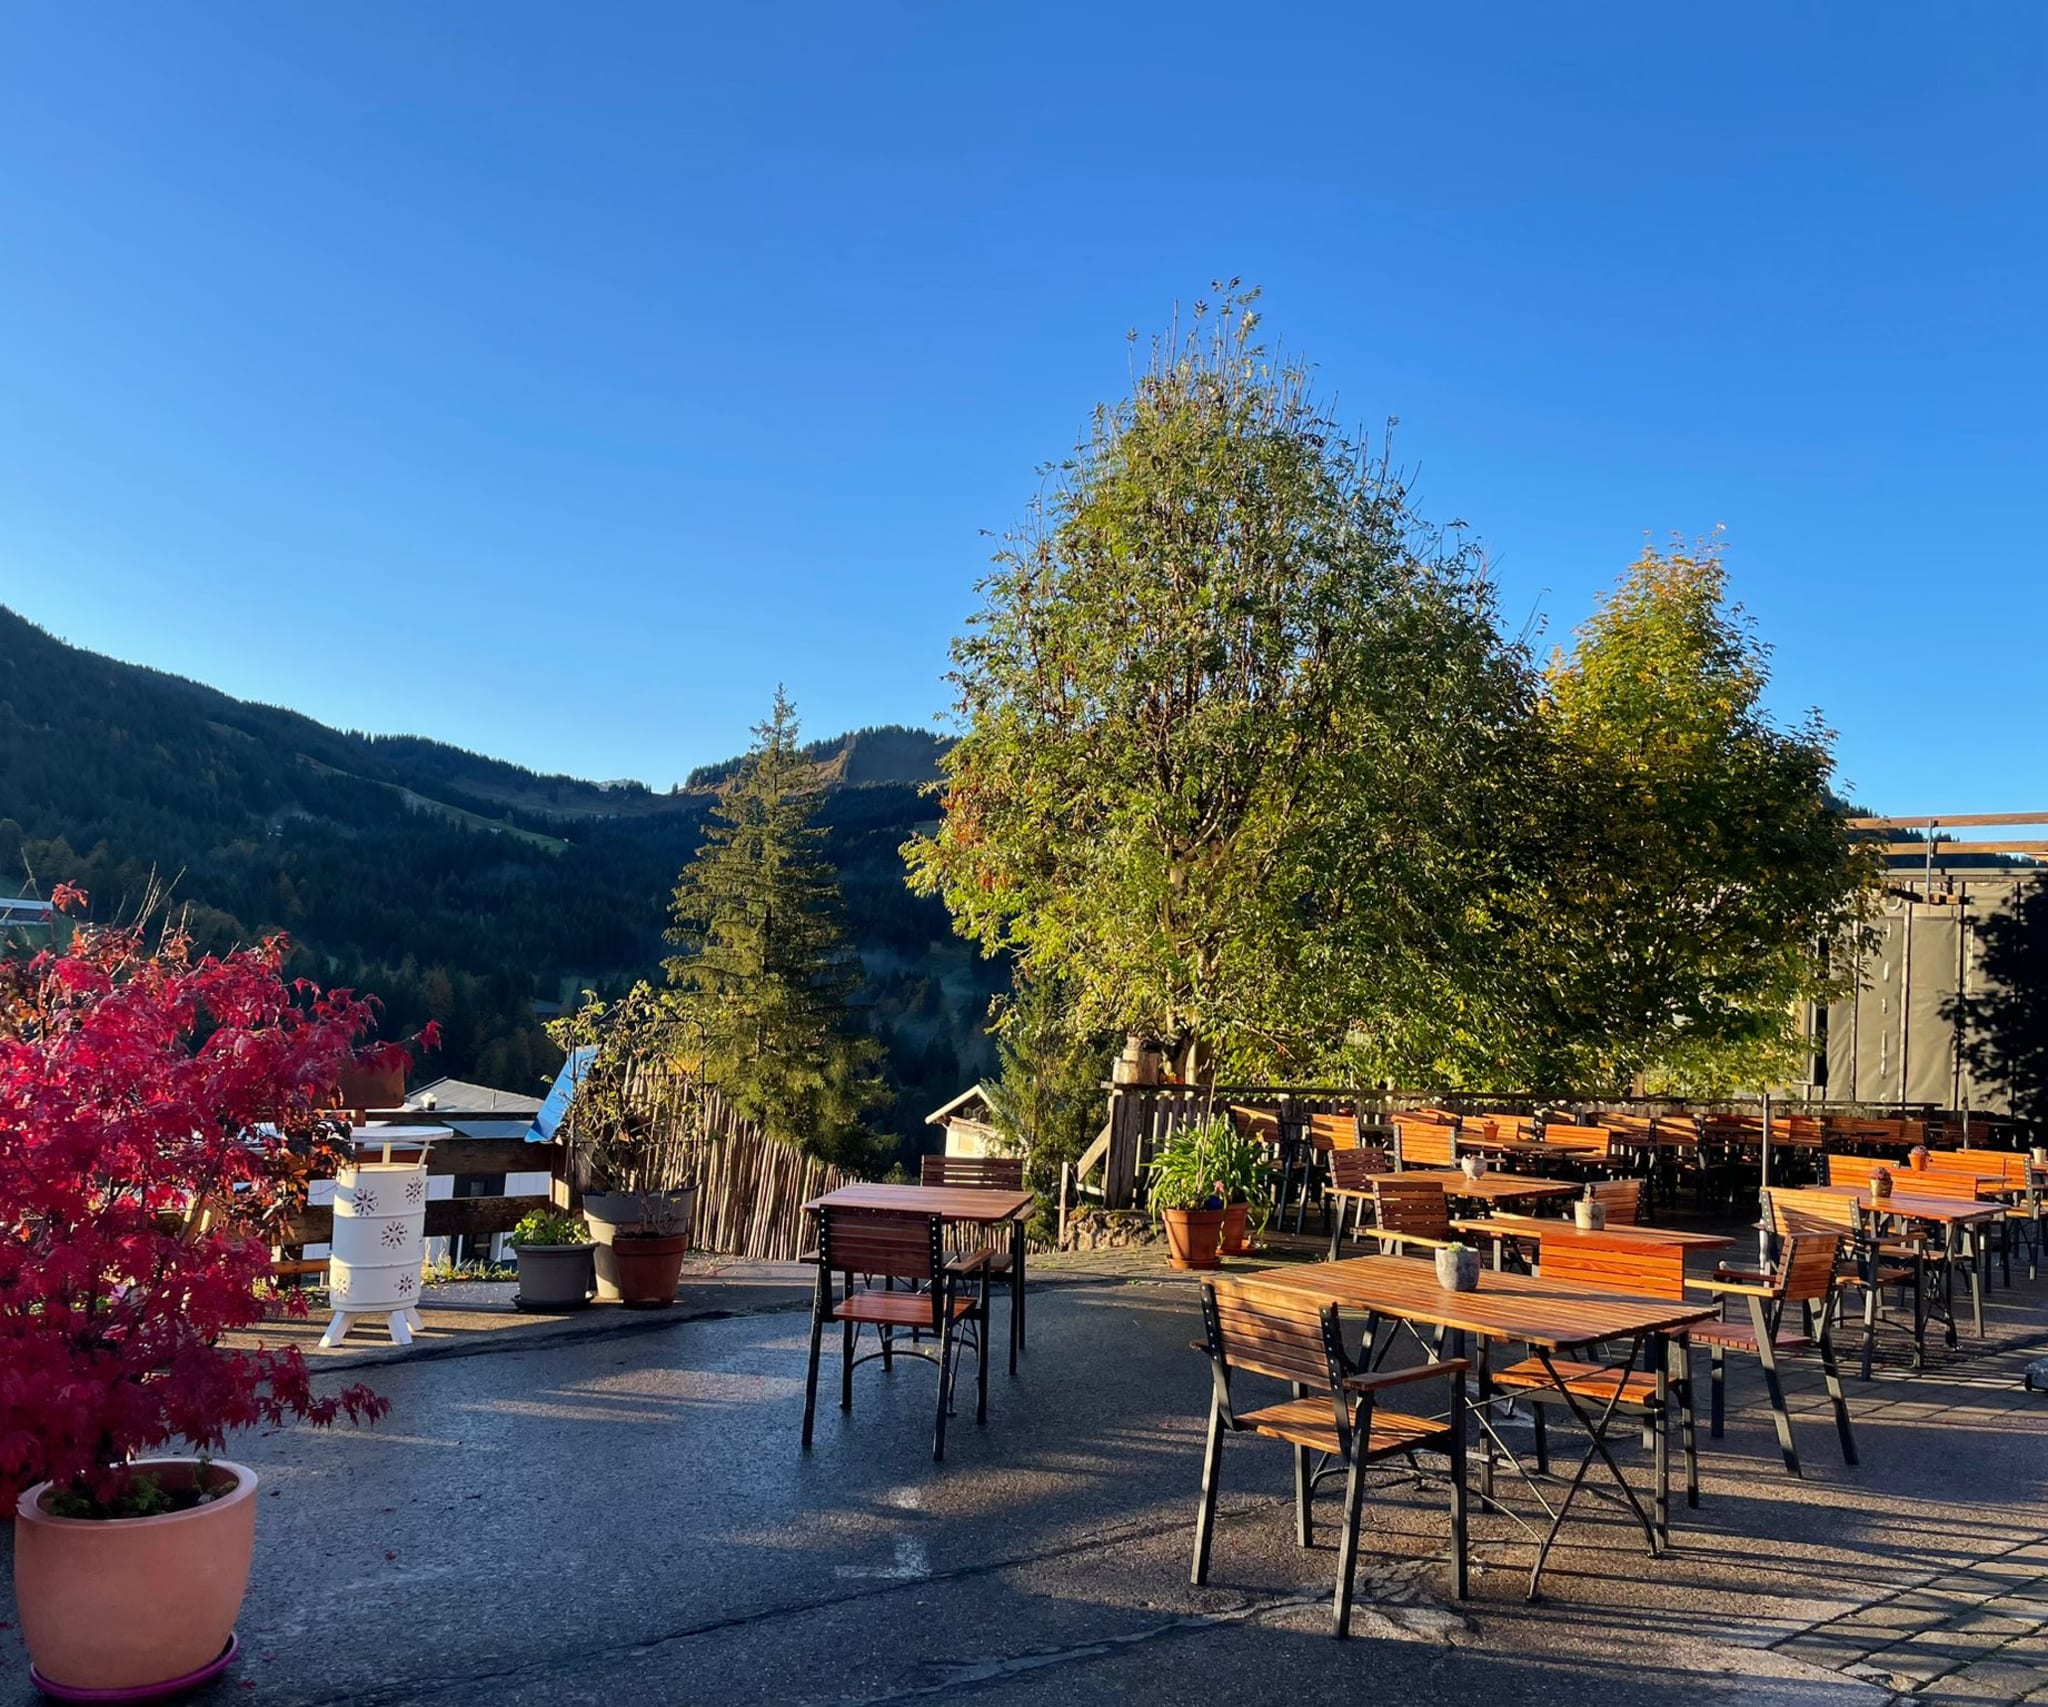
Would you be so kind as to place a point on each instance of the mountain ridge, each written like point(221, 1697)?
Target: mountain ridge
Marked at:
point(455, 886)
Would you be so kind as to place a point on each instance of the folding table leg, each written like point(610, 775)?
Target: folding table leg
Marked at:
point(1459, 1584)
point(819, 1303)
point(1660, 1449)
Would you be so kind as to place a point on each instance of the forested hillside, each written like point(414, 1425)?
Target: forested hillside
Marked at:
point(453, 886)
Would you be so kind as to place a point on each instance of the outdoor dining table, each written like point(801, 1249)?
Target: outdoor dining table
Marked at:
point(1513, 1309)
point(1520, 1233)
point(1958, 1213)
point(1491, 1187)
point(960, 1205)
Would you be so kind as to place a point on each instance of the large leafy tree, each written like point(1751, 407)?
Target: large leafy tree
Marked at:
point(1046, 1098)
point(763, 990)
point(1692, 862)
point(1237, 732)
point(2005, 1023)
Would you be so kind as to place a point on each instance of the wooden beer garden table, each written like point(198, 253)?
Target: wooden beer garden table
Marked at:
point(1491, 1187)
point(1515, 1309)
point(970, 1206)
point(1960, 1213)
point(1520, 1233)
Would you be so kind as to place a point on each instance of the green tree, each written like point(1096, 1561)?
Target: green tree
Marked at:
point(1237, 726)
point(764, 987)
point(2005, 1024)
point(1692, 863)
point(1047, 1099)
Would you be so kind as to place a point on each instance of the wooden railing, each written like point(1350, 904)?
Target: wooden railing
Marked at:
point(1143, 1117)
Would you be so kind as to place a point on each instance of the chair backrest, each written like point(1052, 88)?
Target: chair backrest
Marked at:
point(1260, 1123)
point(1418, 1206)
point(1855, 1170)
point(1508, 1126)
point(1812, 1212)
point(1333, 1132)
point(1807, 1263)
point(1272, 1331)
point(1637, 1267)
point(1622, 1199)
point(981, 1173)
point(1425, 1143)
point(881, 1243)
point(1590, 1141)
point(2008, 1167)
point(1938, 1182)
point(1354, 1170)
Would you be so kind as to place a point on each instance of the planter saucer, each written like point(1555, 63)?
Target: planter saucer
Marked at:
point(142, 1691)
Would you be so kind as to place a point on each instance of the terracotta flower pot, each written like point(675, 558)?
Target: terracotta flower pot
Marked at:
point(1237, 1236)
point(129, 1602)
point(1194, 1237)
point(650, 1267)
point(610, 1212)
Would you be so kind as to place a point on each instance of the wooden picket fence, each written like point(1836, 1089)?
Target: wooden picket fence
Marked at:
point(751, 1188)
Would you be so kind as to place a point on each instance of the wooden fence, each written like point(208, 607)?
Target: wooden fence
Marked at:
point(751, 1188)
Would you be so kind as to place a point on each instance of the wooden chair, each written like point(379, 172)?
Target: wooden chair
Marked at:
point(1352, 1176)
point(2016, 1179)
point(1871, 1264)
point(1621, 1198)
point(1424, 1144)
point(1635, 1268)
point(890, 1246)
point(1331, 1133)
point(1804, 1277)
point(1334, 1411)
point(1410, 1212)
point(986, 1173)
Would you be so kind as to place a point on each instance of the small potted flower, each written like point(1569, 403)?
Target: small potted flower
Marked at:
point(553, 1247)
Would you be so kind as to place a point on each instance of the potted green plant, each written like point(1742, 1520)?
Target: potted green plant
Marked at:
point(554, 1251)
point(1188, 1198)
point(160, 1114)
point(1243, 1169)
point(634, 1133)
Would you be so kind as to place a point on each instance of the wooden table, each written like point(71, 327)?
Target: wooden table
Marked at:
point(1491, 1187)
point(1521, 1309)
point(969, 1206)
point(1523, 1230)
point(1959, 1213)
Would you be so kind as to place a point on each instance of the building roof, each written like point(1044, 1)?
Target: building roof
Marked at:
point(469, 1098)
point(970, 1104)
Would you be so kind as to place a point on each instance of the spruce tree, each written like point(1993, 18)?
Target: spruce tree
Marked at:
point(765, 982)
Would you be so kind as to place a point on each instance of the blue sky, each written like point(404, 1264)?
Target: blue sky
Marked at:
point(556, 379)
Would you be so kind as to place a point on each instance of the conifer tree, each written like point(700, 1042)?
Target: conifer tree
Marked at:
point(765, 984)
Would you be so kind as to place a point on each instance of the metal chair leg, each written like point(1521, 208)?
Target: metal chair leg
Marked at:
point(1347, 1543)
point(1212, 1477)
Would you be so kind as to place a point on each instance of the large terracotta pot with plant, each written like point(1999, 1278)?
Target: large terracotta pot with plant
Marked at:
point(633, 1143)
point(1189, 1195)
point(159, 1121)
point(141, 1601)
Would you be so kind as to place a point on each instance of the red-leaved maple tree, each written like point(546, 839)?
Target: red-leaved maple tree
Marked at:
point(160, 1116)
